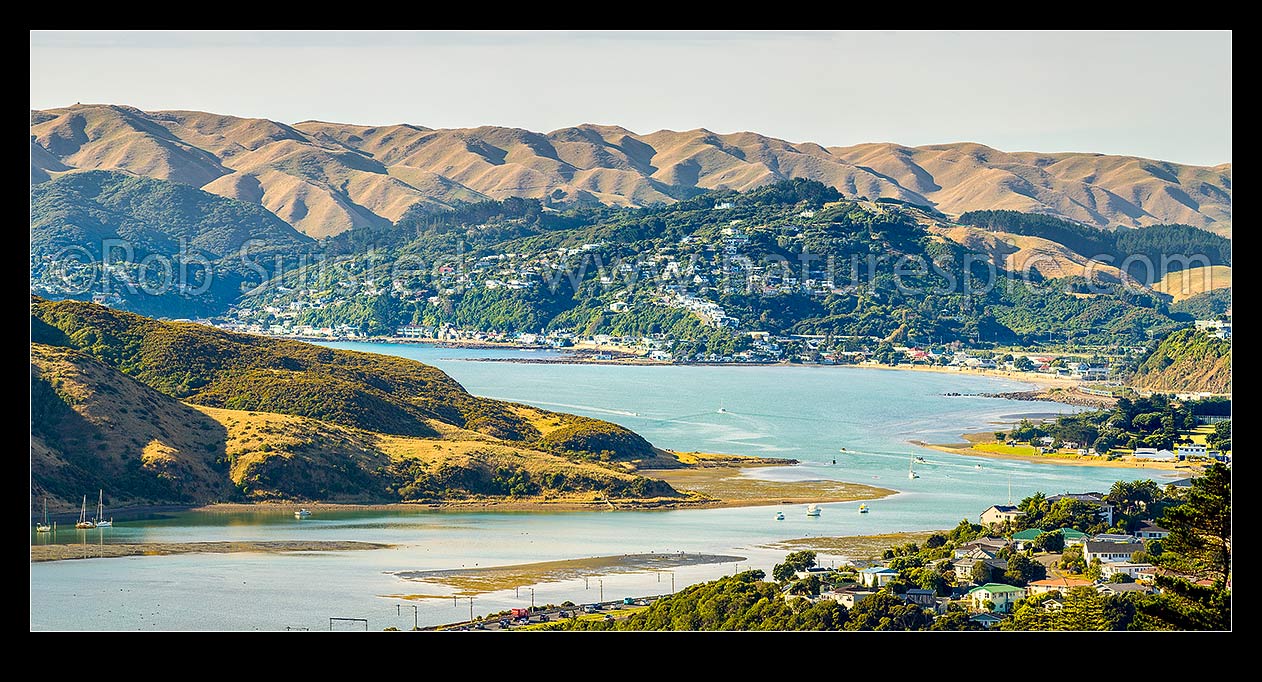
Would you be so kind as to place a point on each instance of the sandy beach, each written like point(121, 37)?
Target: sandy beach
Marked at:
point(966, 448)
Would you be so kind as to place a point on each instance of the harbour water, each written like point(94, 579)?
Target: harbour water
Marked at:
point(805, 413)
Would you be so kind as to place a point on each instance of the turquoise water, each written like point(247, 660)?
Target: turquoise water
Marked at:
point(807, 413)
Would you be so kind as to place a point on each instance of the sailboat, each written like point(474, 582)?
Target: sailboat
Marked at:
point(812, 510)
point(83, 516)
point(911, 469)
point(722, 410)
point(44, 527)
point(100, 511)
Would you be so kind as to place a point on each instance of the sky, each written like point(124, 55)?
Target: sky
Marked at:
point(1162, 95)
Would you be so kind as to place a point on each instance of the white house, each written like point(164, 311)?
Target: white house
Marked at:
point(1193, 450)
point(1150, 531)
point(1109, 552)
point(876, 576)
point(847, 598)
point(1129, 568)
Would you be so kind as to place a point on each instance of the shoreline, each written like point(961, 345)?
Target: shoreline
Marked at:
point(967, 450)
point(71, 552)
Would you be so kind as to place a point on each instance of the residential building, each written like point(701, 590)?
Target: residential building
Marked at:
point(1001, 597)
point(1150, 531)
point(876, 576)
point(1114, 537)
point(1060, 584)
point(1131, 569)
point(964, 567)
point(1192, 450)
point(927, 598)
point(998, 514)
point(1155, 454)
point(987, 544)
point(1109, 552)
point(986, 620)
point(847, 597)
point(1122, 588)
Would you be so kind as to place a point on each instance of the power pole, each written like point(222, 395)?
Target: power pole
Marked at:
point(532, 599)
point(602, 589)
point(416, 623)
point(470, 609)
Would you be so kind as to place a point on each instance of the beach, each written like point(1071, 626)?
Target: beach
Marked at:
point(1062, 459)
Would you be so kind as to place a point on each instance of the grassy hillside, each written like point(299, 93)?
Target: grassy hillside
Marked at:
point(94, 427)
point(1185, 284)
point(1187, 360)
point(205, 366)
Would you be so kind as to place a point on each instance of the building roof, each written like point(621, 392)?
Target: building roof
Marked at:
point(1150, 527)
point(1114, 537)
point(1097, 547)
point(1072, 533)
point(1003, 509)
point(1028, 534)
point(1081, 497)
point(997, 588)
point(873, 570)
point(922, 592)
point(1124, 587)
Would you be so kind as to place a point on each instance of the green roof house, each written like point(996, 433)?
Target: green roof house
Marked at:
point(1001, 596)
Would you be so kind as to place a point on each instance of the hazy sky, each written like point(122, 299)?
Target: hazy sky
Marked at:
point(1160, 95)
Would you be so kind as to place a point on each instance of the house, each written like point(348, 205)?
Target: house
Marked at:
point(1097, 499)
point(1150, 531)
point(1001, 597)
point(988, 544)
point(999, 514)
point(1155, 454)
point(1025, 537)
point(1114, 537)
point(1061, 585)
point(1109, 552)
point(927, 598)
point(1122, 588)
point(986, 620)
point(848, 597)
point(1131, 569)
point(1193, 450)
point(814, 570)
point(876, 576)
point(964, 567)
point(1053, 605)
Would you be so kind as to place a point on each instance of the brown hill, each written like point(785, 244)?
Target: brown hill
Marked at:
point(324, 178)
point(1018, 253)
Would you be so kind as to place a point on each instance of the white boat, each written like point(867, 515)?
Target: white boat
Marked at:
point(44, 527)
point(100, 511)
point(779, 516)
point(978, 466)
point(920, 460)
point(84, 523)
point(863, 509)
point(812, 510)
point(911, 470)
point(302, 513)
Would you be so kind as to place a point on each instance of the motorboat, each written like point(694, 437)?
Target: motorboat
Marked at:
point(863, 509)
point(812, 510)
point(779, 516)
point(302, 513)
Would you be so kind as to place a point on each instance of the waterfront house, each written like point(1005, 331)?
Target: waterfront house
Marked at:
point(876, 576)
point(1109, 552)
point(1058, 584)
point(847, 597)
point(1001, 597)
point(1162, 455)
point(1150, 531)
point(986, 620)
point(999, 514)
point(1109, 570)
point(1192, 450)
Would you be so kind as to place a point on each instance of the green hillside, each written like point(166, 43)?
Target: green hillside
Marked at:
point(1187, 360)
point(205, 366)
point(79, 219)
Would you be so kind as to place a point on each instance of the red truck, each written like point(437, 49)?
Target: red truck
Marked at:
point(519, 613)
